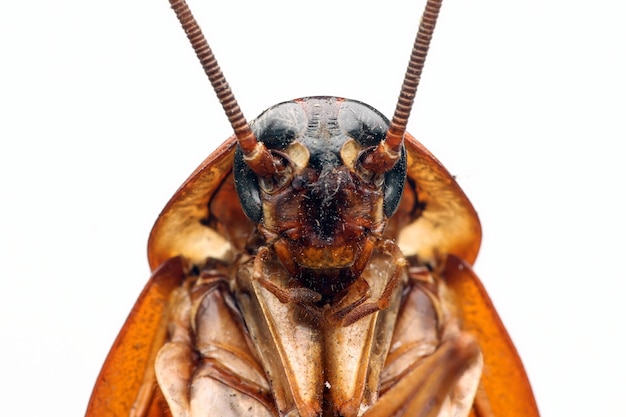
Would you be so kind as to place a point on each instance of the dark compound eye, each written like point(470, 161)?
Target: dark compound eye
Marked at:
point(247, 186)
point(394, 185)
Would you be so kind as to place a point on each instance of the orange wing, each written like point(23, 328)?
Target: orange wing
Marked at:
point(447, 222)
point(504, 382)
point(126, 385)
point(203, 218)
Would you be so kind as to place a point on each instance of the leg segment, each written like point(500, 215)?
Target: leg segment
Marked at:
point(432, 369)
point(207, 367)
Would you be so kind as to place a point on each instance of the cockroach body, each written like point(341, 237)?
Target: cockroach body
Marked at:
point(317, 264)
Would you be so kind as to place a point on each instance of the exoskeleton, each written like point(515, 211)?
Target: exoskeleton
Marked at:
point(317, 264)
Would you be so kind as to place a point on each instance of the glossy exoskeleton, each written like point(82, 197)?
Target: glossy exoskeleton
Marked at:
point(317, 264)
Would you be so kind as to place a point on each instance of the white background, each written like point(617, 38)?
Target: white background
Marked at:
point(104, 111)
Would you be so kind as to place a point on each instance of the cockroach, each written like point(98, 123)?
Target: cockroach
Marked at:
point(318, 263)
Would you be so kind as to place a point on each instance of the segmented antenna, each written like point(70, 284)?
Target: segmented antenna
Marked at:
point(256, 154)
point(383, 158)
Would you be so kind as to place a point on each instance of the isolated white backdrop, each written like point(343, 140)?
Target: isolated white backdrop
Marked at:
point(104, 111)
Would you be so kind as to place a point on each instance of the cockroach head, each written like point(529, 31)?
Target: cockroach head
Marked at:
point(319, 207)
point(322, 133)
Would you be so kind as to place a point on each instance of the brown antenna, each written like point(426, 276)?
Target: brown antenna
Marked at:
point(387, 153)
point(256, 154)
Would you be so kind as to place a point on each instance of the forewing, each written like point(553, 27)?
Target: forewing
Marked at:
point(204, 218)
point(434, 208)
point(504, 382)
point(126, 385)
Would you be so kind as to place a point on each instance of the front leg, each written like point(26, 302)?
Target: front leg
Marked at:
point(318, 363)
point(433, 368)
point(285, 334)
point(441, 385)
